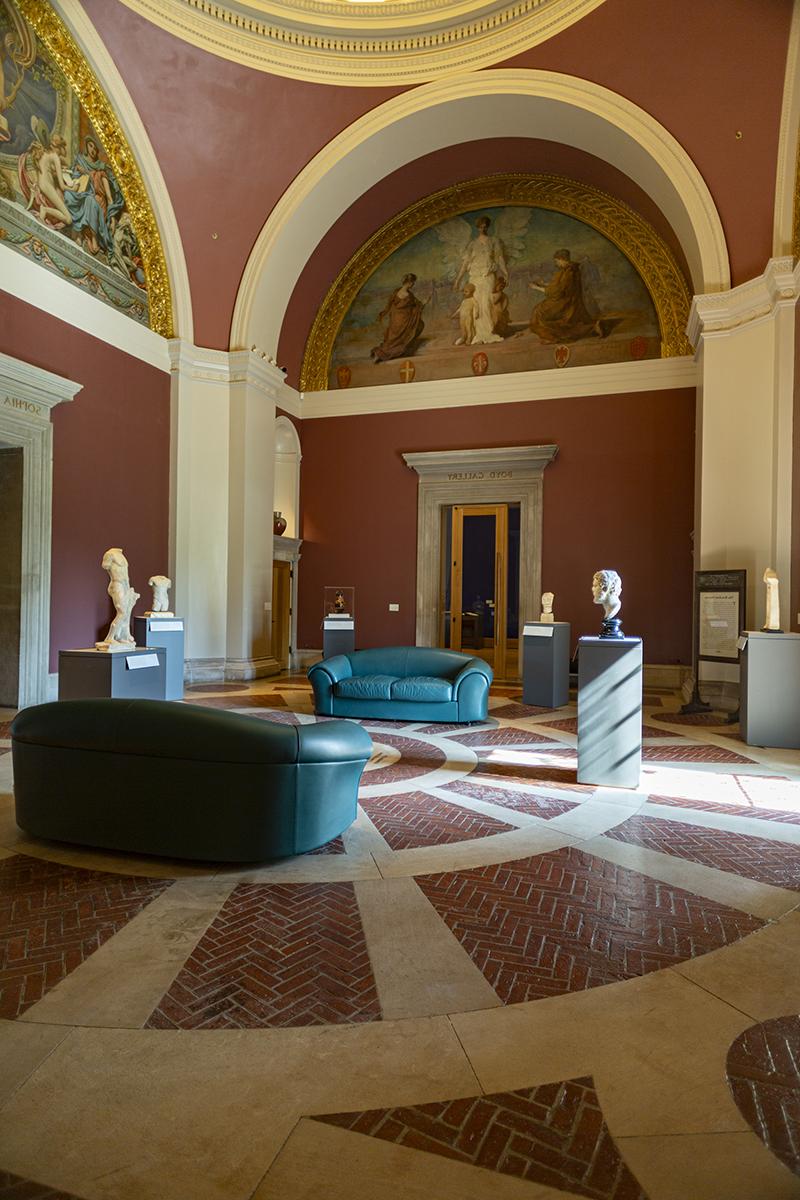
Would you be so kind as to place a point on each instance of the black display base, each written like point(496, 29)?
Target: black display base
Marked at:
point(695, 705)
point(611, 628)
point(765, 630)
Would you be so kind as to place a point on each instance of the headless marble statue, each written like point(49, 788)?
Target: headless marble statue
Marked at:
point(772, 623)
point(124, 597)
point(160, 607)
point(547, 607)
point(607, 591)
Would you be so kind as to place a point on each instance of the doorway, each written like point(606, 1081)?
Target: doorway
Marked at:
point(281, 611)
point(479, 603)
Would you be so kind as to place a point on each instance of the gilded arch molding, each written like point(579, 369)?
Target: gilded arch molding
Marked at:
point(58, 40)
point(629, 232)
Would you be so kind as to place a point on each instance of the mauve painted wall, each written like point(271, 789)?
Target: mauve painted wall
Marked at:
point(110, 468)
point(229, 139)
point(428, 174)
point(619, 494)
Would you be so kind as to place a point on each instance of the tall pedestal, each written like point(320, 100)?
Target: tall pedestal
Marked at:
point(169, 633)
point(138, 674)
point(770, 690)
point(610, 711)
point(338, 636)
point(545, 663)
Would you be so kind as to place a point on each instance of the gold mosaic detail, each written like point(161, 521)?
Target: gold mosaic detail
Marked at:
point(630, 233)
point(55, 36)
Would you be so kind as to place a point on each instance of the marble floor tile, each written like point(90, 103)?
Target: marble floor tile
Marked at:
point(719, 1166)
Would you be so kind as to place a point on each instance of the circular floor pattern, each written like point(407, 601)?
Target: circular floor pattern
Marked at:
point(479, 880)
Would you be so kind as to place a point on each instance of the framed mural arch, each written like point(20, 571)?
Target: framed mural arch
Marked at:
point(584, 280)
point(71, 194)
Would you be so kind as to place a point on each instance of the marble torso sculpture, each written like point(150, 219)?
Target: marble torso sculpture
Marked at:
point(123, 596)
point(160, 606)
point(547, 607)
point(607, 591)
point(772, 622)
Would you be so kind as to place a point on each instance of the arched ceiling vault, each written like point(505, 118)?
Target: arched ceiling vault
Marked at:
point(501, 103)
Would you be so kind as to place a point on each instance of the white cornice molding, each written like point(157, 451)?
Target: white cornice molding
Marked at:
point(374, 45)
point(721, 313)
point(227, 367)
point(788, 140)
point(112, 83)
point(655, 374)
point(35, 387)
point(467, 465)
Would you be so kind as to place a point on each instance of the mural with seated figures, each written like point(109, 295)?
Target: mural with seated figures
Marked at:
point(498, 287)
point(61, 201)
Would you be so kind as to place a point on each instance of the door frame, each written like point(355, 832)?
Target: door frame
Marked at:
point(499, 581)
point(504, 475)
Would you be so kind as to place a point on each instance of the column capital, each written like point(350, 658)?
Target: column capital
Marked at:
point(252, 367)
point(721, 313)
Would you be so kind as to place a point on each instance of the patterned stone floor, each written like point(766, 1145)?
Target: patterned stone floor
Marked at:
point(514, 985)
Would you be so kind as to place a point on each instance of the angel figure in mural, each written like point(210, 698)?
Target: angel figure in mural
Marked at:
point(404, 324)
point(563, 315)
point(483, 260)
point(43, 175)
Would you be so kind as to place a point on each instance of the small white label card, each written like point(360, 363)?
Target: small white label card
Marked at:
point(742, 642)
point(338, 623)
point(135, 662)
point(165, 626)
point(537, 631)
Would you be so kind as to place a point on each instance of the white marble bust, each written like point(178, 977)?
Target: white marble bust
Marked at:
point(160, 606)
point(607, 591)
point(123, 596)
point(547, 607)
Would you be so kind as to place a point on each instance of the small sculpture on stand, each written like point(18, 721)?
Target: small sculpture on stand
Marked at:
point(607, 590)
point(160, 606)
point(547, 608)
point(338, 602)
point(772, 622)
point(124, 597)
point(278, 523)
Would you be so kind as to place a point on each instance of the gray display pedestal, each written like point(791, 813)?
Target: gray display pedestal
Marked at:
point(338, 636)
point(610, 711)
point(167, 632)
point(769, 701)
point(545, 663)
point(124, 675)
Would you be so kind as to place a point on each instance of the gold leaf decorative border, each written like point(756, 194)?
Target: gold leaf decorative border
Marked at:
point(642, 246)
point(796, 206)
point(55, 36)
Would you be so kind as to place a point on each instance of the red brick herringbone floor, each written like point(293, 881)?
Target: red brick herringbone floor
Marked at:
point(553, 1134)
point(527, 802)
point(418, 819)
point(764, 1076)
point(734, 810)
point(14, 1187)
point(276, 955)
point(685, 752)
point(500, 737)
point(566, 921)
point(740, 853)
point(53, 917)
point(241, 700)
point(416, 758)
point(511, 712)
point(570, 725)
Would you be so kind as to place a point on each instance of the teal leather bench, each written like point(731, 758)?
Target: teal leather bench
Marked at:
point(402, 683)
point(155, 777)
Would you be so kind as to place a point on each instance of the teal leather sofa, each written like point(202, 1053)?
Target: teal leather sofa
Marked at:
point(402, 683)
point(156, 777)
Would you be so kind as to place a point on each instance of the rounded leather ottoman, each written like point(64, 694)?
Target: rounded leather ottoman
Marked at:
point(156, 777)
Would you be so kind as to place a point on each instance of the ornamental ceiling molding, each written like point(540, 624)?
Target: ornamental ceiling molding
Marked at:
point(630, 233)
point(722, 313)
point(53, 33)
point(364, 45)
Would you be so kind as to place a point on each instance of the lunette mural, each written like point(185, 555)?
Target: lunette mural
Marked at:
point(61, 203)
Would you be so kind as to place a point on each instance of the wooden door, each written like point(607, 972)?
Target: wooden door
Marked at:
point(281, 611)
point(479, 551)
